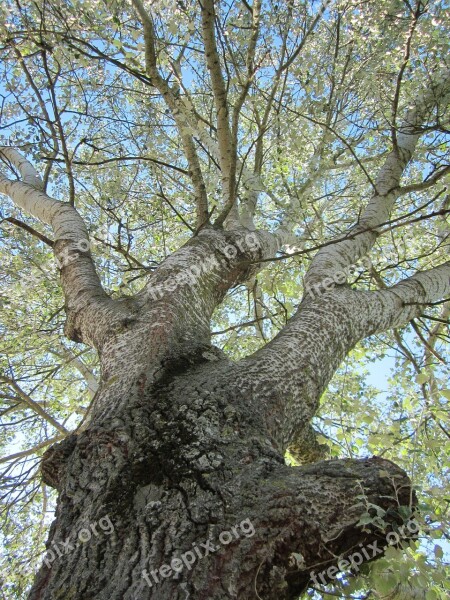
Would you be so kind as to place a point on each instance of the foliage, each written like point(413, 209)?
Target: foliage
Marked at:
point(321, 97)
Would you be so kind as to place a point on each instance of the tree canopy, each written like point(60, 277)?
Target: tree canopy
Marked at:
point(156, 119)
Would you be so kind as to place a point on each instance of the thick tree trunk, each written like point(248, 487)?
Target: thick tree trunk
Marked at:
point(176, 485)
point(187, 460)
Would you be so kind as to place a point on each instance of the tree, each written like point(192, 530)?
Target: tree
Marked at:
point(265, 147)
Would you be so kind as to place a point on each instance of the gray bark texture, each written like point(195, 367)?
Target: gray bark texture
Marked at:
point(181, 445)
point(182, 448)
point(187, 458)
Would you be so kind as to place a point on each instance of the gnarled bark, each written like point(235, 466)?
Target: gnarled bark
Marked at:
point(181, 444)
point(184, 460)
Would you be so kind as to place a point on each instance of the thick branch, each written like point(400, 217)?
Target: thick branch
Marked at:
point(306, 521)
point(208, 265)
point(405, 300)
point(80, 282)
point(304, 356)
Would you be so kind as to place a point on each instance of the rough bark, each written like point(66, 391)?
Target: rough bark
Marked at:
point(181, 444)
point(185, 459)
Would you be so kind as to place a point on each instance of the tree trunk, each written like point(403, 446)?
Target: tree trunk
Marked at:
point(175, 485)
point(187, 460)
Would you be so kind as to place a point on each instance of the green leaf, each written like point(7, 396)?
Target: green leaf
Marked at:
point(385, 584)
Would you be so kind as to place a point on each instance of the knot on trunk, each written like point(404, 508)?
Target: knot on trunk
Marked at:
point(54, 461)
point(305, 448)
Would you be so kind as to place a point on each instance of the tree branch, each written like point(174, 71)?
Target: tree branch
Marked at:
point(35, 406)
point(80, 282)
point(310, 30)
point(303, 357)
point(40, 236)
point(176, 107)
point(227, 149)
point(424, 185)
point(30, 451)
point(406, 300)
point(80, 365)
point(386, 192)
point(407, 52)
point(307, 519)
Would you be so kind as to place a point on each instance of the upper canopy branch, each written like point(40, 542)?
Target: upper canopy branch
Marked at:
point(190, 123)
point(252, 181)
point(227, 148)
point(176, 107)
point(387, 187)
